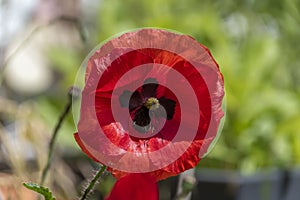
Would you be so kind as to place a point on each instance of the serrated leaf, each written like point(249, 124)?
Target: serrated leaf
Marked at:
point(40, 189)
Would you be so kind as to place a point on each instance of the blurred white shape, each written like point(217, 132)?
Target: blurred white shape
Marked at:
point(28, 72)
point(89, 8)
point(13, 17)
point(236, 25)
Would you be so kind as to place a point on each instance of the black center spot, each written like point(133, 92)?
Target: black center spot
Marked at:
point(143, 104)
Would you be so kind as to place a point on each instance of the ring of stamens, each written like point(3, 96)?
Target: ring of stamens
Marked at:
point(152, 103)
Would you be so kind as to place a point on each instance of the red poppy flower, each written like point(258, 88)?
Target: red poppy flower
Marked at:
point(151, 104)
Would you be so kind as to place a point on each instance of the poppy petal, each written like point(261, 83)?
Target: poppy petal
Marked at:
point(133, 99)
point(141, 119)
point(149, 88)
point(124, 98)
point(83, 148)
point(169, 106)
point(135, 187)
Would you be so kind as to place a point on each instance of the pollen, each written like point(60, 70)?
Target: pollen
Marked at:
point(152, 102)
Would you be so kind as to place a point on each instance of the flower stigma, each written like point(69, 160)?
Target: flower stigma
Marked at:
point(152, 103)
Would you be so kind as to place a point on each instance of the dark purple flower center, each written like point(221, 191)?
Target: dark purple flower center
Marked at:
point(143, 104)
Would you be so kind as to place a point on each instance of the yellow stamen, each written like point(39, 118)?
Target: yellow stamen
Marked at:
point(152, 103)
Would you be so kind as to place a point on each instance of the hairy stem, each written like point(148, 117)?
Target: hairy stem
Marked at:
point(92, 183)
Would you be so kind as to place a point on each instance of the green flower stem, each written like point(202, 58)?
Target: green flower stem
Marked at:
point(54, 136)
point(93, 182)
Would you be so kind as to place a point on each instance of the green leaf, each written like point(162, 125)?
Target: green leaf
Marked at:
point(40, 189)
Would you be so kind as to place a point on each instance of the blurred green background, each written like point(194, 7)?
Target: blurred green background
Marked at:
point(255, 42)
